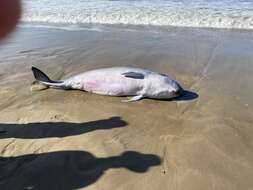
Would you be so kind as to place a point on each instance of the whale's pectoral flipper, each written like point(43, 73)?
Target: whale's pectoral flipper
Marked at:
point(134, 75)
point(135, 98)
point(44, 79)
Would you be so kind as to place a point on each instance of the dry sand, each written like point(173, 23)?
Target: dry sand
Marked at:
point(66, 140)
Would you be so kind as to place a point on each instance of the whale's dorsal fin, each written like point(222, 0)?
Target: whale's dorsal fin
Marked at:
point(133, 75)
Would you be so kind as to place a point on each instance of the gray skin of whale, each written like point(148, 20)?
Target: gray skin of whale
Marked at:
point(118, 81)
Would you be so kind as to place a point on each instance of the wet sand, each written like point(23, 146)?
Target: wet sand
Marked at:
point(54, 139)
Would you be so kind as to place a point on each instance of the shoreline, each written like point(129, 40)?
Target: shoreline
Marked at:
point(129, 27)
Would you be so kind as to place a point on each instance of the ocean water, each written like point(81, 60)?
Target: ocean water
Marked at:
point(236, 14)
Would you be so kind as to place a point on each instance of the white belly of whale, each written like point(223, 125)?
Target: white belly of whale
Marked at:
point(109, 81)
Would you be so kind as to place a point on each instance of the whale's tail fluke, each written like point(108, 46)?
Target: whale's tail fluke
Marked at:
point(44, 79)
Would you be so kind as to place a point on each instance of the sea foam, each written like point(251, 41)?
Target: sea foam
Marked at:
point(236, 14)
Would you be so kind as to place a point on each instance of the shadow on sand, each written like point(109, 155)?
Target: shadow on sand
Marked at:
point(57, 129)
point(66, 170)
point(186, 96)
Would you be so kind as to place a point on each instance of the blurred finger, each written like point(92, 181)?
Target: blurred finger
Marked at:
point(10, 12)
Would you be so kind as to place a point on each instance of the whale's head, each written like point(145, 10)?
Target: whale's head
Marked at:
point(163, 87)
point(174, 89)
point(170, 89)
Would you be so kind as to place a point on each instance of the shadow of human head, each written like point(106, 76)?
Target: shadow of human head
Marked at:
point(66, 170)
point(57, 129)
point(135, 161)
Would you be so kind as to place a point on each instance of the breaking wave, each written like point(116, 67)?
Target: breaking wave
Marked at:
point(236, 14)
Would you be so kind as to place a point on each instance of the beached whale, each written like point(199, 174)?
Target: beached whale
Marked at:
point(118, 81)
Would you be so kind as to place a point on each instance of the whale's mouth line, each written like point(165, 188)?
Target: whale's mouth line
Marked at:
point(178, 92)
